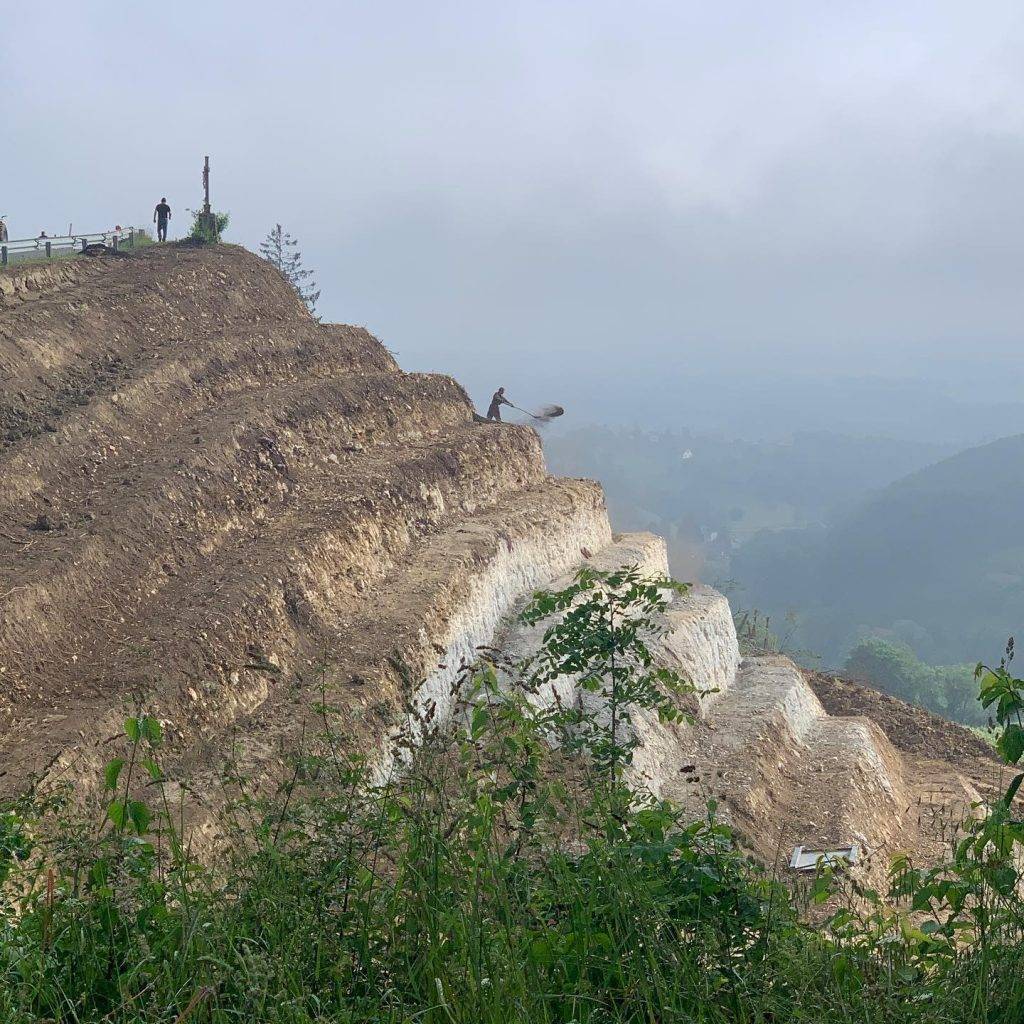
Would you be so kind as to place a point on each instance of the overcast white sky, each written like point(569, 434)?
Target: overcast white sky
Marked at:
point(571, 198)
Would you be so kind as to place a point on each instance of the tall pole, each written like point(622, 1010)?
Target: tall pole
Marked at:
point(209, 217)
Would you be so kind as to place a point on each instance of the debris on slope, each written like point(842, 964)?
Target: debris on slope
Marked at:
point(782, 768)
point(195, 469)
point(910, 729)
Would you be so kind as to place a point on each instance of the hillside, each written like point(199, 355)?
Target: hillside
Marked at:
point(207, 493)
point(221, 511)
point(936, 557)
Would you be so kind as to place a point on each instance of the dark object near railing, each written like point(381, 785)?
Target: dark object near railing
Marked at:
point(44, 247)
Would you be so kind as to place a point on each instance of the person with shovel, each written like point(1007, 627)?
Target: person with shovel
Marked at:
point(497, 401)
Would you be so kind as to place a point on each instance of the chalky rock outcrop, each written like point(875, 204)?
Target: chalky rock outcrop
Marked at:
point(218, 509)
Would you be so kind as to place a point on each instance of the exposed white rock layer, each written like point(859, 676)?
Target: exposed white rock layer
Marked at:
point(699, 642)
point(516, 571)
point(760, 741)
point(700, 639)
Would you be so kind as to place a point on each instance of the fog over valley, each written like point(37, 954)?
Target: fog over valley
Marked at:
point(511, 512)
point(645, 215)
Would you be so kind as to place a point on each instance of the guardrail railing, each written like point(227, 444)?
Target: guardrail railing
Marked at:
point(46, 247)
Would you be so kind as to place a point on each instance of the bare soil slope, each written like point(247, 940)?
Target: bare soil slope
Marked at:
point(798, 758)
point(206, 493)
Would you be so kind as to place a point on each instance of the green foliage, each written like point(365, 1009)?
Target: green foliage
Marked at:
point(507, 874)
point(893, 667)
point(15, 845)
point(926, 560)
point(603, 624)
point(207, 231)
point(974, 900)
point(1003, 694)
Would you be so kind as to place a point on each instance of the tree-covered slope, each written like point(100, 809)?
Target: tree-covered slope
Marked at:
point(705, 494)
point(937, 558)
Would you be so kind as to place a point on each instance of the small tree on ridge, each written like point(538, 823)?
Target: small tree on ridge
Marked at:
point(281, 250)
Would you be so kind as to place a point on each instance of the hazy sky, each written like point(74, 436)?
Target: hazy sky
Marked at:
point(578, 200)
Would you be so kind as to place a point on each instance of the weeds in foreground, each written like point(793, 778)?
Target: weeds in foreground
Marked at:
point(507, 874)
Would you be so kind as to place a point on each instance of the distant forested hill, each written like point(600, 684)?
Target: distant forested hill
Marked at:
point(707, 494)
point(936, 559)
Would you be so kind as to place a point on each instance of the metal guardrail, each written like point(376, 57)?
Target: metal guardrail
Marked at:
point(45, 247)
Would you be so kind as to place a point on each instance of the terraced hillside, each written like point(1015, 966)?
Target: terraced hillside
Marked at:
point(218, 509)
point(791, 758)
point(207, 495)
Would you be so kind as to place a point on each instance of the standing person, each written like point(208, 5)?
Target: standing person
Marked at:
point(161, 215)
point(498, 399)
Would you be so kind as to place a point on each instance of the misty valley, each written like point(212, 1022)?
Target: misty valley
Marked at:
point(897, 561)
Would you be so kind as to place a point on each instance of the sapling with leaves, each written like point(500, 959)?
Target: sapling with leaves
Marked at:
point(516, 711)
point(124, 811)
point(1004, 694)
point(603, 625)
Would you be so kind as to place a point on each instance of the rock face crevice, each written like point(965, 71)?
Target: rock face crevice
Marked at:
point(220, 510)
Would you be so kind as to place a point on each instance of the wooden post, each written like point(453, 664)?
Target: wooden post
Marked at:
point(131, 238)
point(3, 255)
point(209, 217)
point(115, 242)
point(85, 243)
point(49, 251)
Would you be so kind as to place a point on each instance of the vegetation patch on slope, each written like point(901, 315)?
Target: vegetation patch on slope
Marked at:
point(507, 875)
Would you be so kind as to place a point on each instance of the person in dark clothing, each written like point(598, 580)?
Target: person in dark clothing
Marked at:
point(497, 401)
point(161, 215)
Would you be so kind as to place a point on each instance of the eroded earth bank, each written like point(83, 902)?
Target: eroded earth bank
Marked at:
point(219, 509)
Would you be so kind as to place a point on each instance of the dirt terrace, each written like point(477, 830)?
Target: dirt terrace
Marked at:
point(799, 758)
point(207, 493)
point(790, 757)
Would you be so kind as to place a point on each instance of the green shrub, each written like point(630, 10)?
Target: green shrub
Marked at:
point(207, 231)
point(893, 667)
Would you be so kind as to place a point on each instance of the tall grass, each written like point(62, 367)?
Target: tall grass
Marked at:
point(505, 874)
